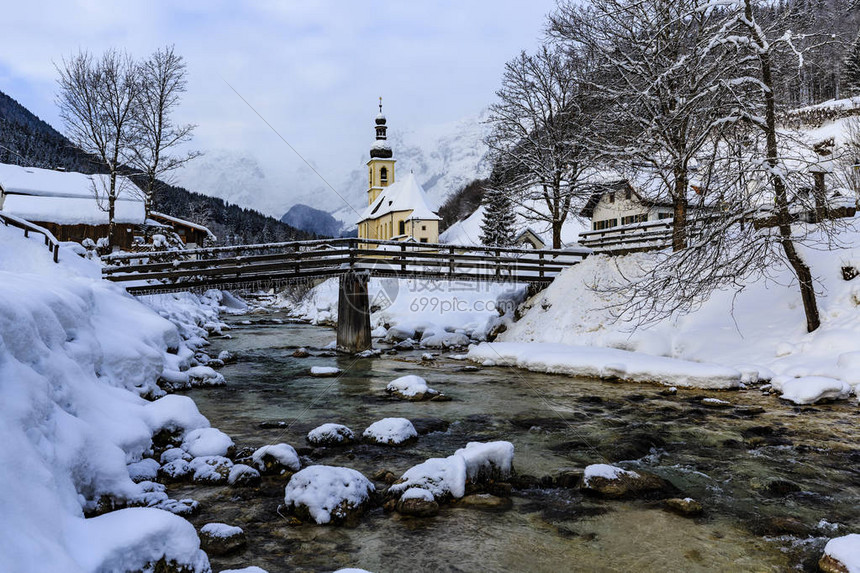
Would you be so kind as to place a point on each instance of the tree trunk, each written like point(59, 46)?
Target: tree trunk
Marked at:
point(679, 220)
point(556, 234)
point(783, 214)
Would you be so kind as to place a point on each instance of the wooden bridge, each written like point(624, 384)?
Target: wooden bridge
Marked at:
point(354, 261)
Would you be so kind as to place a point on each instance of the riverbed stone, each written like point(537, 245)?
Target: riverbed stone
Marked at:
point(177, 470)
point(569, 478)
point(385, 475)
point(616, 483)
point(243, 476)
point(688, 507)
point(301, 353)
point(417, 502)
point(210, 469)
point(485, 501)
point(828, 564)
point(428, 425)
point(329, 435)
point(221, 539)
point(781, 487)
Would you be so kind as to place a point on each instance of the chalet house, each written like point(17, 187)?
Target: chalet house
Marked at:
point(396, 210)
point(617, 203)
point(529, 240)
point(73, 206)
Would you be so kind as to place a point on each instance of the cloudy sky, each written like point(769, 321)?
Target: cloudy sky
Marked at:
point(313, 69)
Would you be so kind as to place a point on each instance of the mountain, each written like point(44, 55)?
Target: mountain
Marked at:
point(27, 140)
point(444, 158)
point(312, 220)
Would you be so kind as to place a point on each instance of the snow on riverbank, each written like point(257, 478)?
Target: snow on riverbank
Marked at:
point(606, 363)
point(76, 356)
point(439, 313)
point(760, 332)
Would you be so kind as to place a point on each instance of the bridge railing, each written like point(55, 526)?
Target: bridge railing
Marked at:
point(287, 262)
point(50, 240)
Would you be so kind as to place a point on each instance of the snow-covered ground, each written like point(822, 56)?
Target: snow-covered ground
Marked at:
point(77, 358)
point(759, 332)
point(441, 313)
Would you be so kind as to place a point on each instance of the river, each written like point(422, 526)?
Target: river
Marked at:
point(771, 477)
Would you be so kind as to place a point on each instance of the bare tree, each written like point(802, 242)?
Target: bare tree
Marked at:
point(661, 76)
point(538, 138)
point(155, 152)
point(98, 101)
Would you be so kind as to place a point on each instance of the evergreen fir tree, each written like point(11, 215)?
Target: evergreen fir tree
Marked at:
point(497, 229)
point(851, 68)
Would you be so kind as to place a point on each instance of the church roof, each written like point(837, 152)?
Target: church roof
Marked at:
point(404, 195)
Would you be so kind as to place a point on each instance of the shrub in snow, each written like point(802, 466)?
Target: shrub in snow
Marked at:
point(207, 442)
point(210, 469)
point(324, 371)
point(842, 554)
point(331, 435)
point(221, 539)
point(276, 459)
point(411, 387)
point(144, 470)
point(328, 494)
point(609, 481)
point(390, 432)
point(242, 475)
point(811, 389)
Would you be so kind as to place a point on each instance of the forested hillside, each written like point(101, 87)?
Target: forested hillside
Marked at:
point(27, 140)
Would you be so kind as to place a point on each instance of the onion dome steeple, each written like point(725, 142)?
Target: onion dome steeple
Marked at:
point(380, 147)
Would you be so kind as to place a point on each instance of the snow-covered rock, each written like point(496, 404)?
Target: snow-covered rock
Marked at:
point(811, 389)
point(204, 376)
point(613, 482)
point(842, 554)
point(390, 432)
point(324, 371)
point(410, 387)
point(144, 470)
point(220, 538)
point(242, 475)
point(210, 469)
point(276, 458)
point(207, 442)
point(330, 435)
point(327, 494)
point(487, 460)
point(607, 363)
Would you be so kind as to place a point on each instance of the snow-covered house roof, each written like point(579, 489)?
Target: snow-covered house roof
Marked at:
point(162, 217)
point(404, 195)
point(66, 198)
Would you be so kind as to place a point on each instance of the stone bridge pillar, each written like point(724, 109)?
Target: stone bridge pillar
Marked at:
point(353, 313)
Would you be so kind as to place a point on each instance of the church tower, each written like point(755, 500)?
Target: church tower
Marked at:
point(380, 168)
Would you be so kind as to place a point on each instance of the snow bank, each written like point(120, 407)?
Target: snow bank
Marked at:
point(390, 431)
point(327, 492)
point(449, 313)
point(76, 355)
point(607, 363)
point(811, 389)
point(760, 331)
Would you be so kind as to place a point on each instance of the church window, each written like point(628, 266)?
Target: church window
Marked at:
point(423, 239)
point(402, 227)
point(383, 175)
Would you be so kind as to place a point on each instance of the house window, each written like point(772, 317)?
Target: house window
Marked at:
point(423, 227)
point(402, 227)
point(630, 219)
point(612, 197)
point(383, 175)
point(605, 224)
point(664, 215)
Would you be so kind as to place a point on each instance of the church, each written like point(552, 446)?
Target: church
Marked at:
point(396, 210)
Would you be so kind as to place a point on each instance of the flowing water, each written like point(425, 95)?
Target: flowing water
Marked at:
point(772, 477)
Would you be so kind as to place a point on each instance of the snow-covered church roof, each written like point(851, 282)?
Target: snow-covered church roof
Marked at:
point(66, 197)
point(404, 195)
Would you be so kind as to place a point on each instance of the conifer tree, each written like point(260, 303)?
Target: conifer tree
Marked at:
point(497, 229)
point(851, 68)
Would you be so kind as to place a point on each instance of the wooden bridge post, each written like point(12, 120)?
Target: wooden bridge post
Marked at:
point(353, 313)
